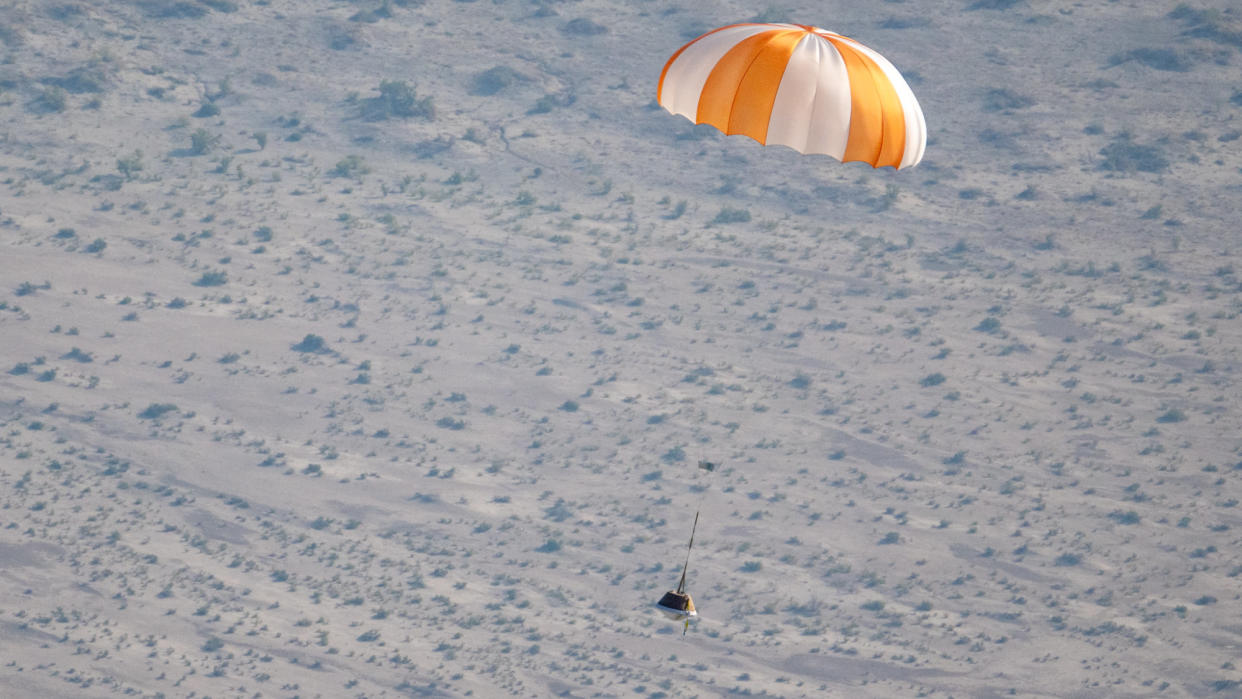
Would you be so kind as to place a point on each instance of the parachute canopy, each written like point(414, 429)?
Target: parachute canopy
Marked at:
point(798, 86)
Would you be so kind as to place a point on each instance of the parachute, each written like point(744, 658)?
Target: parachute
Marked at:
point(677, 604)
point(799, 86)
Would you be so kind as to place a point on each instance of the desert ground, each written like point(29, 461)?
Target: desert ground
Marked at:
point(306, 391)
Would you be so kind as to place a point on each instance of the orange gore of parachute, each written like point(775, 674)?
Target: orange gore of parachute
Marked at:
point(799, 86)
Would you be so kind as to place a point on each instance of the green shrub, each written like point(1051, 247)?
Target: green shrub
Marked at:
point(217, 278)
point(397, 99)
point(312, 344)
point(495, 79)
point(155, 411)
point(728, 215)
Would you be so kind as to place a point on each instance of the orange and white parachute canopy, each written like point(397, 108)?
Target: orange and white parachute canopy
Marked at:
point(798, 86)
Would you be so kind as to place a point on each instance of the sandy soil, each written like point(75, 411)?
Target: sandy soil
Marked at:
point(297, 402)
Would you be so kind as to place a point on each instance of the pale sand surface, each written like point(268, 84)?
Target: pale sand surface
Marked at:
point(977, 421)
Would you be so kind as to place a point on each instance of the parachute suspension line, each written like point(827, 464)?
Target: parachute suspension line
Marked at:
point(681, 585)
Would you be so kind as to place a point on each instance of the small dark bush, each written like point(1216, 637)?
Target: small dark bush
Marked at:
point(1125, 155)
point(78, 355)
point(728, 215)
point(549, 546)
point(218, 278)
point(312, 344)
point(1173, 415)
point(1067, 560)
point(207, 110)
point(583, 27)
point(52, 99)
point(988, 325)
point(495, 79)
point(999, 99)
point(81, 80)
point(1157, 58)
point(202, 141)
point(155, 411)
point(397, 99)
point(992, 4)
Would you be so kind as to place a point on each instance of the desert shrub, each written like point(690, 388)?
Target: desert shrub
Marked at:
point(1173, 415)
point(209, 109)
point(583, 27)
point(1067, 560)
point(1126, 517)
point(1000, 99)
point(1157, 58)
point(217, 278)
point(312, 344)
point(91, 78)
point(988, 325)
point(751, 567)
point(431, 147)
point(397, 98)
point(372, 16)
point(932, 380)
point(174, 9)
point(890, 538)
point(450, 423)
point(155, 411)
point(1208, 24)
point(203, 141)
point(729, 215)
point(350, 166)
point(1123, 154)
point(992, 4)
point(64, 11)
point(569, 406)
point(212, 644)
point(552, 101)
point(549, 546)
point(495, 79)
point(905, 23)
point(52, 99)
point(78, 355)
point(130, 165)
